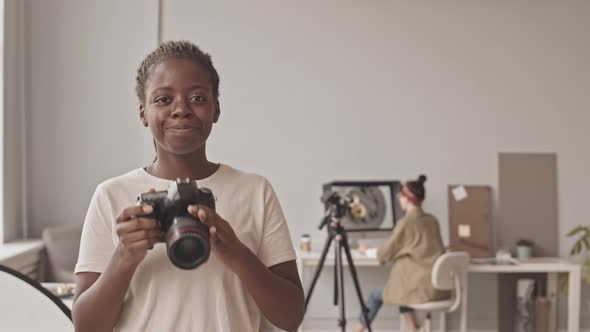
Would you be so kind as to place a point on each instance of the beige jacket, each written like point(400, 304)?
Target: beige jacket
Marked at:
point(413, 247)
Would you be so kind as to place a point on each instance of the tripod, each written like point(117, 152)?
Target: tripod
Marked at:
point(338, 233)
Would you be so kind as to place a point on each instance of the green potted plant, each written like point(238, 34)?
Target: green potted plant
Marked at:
point(524, 248)
point(582, 245)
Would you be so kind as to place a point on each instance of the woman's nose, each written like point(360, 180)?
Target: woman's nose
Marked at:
point(181, 110)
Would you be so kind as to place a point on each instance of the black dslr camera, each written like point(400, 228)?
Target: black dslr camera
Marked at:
point(187, 239)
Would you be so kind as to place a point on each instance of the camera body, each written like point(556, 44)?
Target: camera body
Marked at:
point(187, 239)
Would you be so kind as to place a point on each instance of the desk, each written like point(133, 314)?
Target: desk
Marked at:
point(551, 266)
point(52, 287)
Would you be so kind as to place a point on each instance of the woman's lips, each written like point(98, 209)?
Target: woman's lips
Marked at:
point(182, 131)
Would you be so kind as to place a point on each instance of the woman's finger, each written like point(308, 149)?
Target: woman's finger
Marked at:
point(214, 237)
point(139, 235)
point(211, 219)
point(140, 245)
point(215, 220)
point(204, 214)
point(133, 211)
point(193, 210)
point(136, 224)
point(204, 217)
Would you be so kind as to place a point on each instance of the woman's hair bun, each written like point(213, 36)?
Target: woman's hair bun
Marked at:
point(422, 178)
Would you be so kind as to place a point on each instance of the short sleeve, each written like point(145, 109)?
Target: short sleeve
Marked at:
point(96, 244)
point(276, 246)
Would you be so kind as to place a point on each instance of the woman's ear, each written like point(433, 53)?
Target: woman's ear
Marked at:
point(217, 112)
point(142, 115)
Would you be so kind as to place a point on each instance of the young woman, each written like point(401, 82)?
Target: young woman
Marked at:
point(124, 278)
point(413, 247)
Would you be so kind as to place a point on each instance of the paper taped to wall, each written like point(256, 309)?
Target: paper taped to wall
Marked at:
point(459, 193)
point(464, 231)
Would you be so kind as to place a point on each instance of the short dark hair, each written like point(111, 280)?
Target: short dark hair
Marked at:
point(175, 49)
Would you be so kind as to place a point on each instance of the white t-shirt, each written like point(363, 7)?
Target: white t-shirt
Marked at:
point(162, 297)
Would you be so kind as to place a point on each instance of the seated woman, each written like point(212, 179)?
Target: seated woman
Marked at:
point(413, 247)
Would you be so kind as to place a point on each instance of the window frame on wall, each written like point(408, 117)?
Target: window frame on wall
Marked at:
point(13, 117)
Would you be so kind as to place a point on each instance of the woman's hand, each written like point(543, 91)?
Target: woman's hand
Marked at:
point(224, 241)
point(136, 234)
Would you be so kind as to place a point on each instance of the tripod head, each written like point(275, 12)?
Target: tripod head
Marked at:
point(336, 207)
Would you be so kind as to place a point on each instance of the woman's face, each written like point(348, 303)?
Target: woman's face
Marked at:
point(179, 108)
point(403, 202)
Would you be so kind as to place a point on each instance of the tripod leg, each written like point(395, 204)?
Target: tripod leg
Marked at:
point(340, 275)
point(357, 286)
point(319, 268)
point(336, 250)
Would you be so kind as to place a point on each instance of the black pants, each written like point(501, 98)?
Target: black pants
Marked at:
point(374, 303)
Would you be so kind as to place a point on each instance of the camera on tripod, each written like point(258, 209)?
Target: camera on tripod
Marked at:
point(336, 205)
point(353, 206)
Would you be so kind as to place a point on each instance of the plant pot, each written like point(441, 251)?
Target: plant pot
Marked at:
point(524, 252)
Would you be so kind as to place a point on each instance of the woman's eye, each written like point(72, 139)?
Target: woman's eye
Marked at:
point(198, 99)
point(163, 100)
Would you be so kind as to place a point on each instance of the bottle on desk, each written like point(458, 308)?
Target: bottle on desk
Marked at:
point(305, 243)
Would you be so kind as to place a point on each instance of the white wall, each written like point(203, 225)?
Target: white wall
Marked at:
point(84, 124)
point(316, 91)
point(2, 116)
point(377, 89)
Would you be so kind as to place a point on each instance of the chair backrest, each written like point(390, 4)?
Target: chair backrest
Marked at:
point(62, 244)
point(450, 273)
point(26, 306)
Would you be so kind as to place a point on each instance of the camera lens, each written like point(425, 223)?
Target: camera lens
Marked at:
point(187, 241)
point(187, 249)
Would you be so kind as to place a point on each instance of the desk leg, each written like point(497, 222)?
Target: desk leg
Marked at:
point(573, 301)
point(402, 323)
point(443, 322)
point(301, 276)
point(463, 326)
point(553, 297)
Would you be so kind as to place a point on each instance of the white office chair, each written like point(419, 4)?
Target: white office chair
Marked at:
point(26, 306)
point(449, 273)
